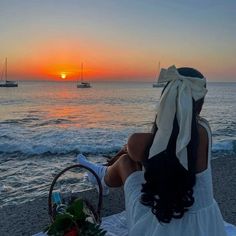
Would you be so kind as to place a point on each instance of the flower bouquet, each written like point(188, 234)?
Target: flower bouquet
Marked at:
point(78, 217)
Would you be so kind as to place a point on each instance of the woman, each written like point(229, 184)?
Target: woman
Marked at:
point(173, 194)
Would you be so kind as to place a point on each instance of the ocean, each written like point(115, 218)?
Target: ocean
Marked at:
point(44, 125)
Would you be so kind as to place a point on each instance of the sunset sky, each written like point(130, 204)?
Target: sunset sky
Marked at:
point(117, 39)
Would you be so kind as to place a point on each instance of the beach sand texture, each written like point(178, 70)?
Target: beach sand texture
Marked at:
point(32, 217)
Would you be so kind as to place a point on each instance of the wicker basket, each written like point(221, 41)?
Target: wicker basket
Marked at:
point(96, 212)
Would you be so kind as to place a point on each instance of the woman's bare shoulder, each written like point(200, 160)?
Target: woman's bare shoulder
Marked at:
point(138, 145)
point(203, 134)
point(202, 156)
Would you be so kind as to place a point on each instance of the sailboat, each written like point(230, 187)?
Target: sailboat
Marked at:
point(158, 84)
point(6, 83)
point(83, 84)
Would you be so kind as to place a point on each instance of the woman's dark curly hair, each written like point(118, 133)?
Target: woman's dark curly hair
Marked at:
point(168, 189)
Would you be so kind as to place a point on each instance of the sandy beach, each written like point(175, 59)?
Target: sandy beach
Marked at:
point(32, 217)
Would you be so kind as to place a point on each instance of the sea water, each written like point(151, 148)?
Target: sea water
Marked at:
point(44, 125)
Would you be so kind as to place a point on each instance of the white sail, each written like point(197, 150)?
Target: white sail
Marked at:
point(158, 83)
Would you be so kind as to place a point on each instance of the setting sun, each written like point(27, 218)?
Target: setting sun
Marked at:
point(63, 75)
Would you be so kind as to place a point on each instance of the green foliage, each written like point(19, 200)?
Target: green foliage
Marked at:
point(76, 216)
point(76, 209)
point(61, 224)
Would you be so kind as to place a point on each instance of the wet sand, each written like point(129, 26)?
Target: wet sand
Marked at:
point(32, 217)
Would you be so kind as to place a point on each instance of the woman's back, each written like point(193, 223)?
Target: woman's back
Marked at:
point(203, 190)
point(202, 219)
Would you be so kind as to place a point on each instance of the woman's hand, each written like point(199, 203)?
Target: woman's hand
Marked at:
point(122, 151)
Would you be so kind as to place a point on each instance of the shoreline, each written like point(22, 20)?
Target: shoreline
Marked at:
point(32, 217)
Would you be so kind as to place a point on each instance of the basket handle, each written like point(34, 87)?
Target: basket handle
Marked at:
point(99, 205)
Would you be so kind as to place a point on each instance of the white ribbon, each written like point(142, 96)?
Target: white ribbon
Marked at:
point(176, 99)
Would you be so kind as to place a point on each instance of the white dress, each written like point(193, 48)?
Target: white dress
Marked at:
point(202, 219)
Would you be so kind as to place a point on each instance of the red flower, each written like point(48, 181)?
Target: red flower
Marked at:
point(72, 232)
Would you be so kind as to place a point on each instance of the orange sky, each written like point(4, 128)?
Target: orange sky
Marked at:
point(51, 58)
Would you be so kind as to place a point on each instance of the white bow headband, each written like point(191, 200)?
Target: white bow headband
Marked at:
point(176, 100)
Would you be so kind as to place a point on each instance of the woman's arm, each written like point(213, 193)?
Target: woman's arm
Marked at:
point(122, 151)
point(138, 146)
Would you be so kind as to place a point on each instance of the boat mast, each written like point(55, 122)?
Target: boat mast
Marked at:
point(6, 68)
point(158, 72)
point(81, 73)
point(159, 68)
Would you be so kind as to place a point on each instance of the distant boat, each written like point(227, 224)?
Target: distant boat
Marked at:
point(4, 81)
point(83, 84)
point(158, 84)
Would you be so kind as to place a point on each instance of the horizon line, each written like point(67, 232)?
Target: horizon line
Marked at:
point(115, 81)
